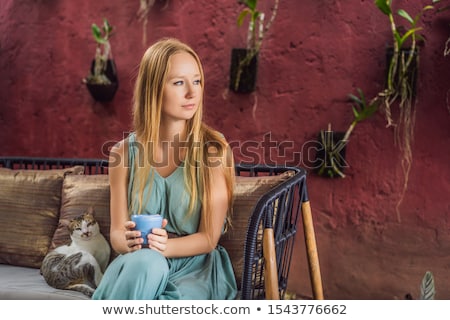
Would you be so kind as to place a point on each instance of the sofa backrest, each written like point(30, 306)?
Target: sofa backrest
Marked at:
point(75, 188)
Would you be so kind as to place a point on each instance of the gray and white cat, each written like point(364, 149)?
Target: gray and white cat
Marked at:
point(80, 265)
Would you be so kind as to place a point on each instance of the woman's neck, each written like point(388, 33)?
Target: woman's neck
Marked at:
point(175, 132)
point(172, 147)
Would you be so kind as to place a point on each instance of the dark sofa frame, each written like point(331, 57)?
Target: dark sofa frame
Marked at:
point(289, 199)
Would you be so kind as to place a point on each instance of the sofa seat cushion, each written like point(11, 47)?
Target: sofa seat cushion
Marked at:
point(22, 283)
point(29, 208)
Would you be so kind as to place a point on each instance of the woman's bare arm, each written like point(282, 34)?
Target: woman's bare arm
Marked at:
point(118, 179)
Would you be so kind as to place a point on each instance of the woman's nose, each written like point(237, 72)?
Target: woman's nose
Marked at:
point(190, 90)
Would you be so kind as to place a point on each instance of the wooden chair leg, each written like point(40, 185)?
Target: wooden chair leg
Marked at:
point(270, 269)
point(311, 251)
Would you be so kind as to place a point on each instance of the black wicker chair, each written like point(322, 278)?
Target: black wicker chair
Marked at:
point(278, 211)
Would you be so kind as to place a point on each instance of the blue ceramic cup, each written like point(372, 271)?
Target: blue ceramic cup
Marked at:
point(145, 223)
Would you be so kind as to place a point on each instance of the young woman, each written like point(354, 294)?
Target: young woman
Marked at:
point(174, 165)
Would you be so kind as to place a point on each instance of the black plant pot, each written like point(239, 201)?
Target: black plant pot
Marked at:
point(248, 73)
point(105, 92)
point(411, 73)
point(330, 154)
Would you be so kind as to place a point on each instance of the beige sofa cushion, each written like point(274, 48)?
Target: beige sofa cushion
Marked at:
point(248, 191)
point(29, 211)
point(78, 194)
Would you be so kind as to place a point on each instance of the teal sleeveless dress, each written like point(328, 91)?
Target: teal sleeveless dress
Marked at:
point(147, 275)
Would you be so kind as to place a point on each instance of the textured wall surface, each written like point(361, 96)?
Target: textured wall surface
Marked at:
point(315, 54)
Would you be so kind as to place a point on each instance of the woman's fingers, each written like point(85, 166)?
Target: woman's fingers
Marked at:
point(134, 240)
point(130, 225)
point(158, 239)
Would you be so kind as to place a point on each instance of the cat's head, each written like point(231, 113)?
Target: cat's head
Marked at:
point(84, 226)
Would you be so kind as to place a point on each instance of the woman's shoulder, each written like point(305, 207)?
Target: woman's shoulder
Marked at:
point(121, 145)
point(130, 138)
point(119, 152)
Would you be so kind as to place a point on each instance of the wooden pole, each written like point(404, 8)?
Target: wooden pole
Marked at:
point(311, 251)
point(270, 269)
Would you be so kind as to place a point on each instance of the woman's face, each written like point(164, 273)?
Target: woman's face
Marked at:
point(183, 88)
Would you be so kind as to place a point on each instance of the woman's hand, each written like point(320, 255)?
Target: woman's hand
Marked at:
point(157, 240)
point(133, 237)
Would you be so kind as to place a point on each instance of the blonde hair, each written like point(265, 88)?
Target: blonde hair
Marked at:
point(147, 106)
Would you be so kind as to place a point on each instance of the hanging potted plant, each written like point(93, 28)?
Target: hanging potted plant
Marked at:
point(244, 61)
point(330, 156)
point(402, 69)
point(402, 62)
point(102, 81)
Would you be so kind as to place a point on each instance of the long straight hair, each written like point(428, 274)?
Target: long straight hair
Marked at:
point(147, 106)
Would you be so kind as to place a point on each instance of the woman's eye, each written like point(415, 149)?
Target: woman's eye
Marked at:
point(178, 83)
point(197, 82)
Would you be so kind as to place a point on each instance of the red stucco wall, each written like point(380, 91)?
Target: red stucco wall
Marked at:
point(315, 54)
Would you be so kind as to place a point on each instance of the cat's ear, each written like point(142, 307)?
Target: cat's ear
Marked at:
point(90, 210)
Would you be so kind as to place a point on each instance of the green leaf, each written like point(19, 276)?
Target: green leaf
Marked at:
point(408, 34)
point(354, 98)
point(361, 94)
point(255, 15)
point(361, 110)
point(369, 111)
point(404, 14)
point(355, 112)
point(384, 6)
point(107, 28)
point(251, 4)
point(427, 289)
point(97, 33)
point(242, 16)
point(398, 38)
